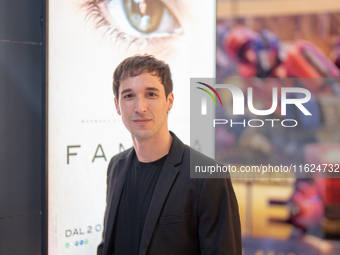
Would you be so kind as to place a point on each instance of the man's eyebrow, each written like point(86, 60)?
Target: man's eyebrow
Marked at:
point(125, 91)
point(147, 88)
point(152, 88)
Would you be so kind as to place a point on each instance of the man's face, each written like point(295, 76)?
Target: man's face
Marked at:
point(143, 106)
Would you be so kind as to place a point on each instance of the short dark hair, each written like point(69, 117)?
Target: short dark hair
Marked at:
point(138, 64)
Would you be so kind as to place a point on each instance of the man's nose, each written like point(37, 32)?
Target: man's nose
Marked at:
point(140, 105)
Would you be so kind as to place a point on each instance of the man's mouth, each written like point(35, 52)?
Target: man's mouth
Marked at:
point(141, 121)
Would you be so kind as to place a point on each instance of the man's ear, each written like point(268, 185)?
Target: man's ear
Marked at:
point(170, 100)
point(117, 105)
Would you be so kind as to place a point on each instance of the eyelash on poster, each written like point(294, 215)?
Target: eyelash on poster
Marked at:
point(94, 12)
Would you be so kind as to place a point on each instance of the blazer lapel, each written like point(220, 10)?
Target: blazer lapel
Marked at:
point(117, 182)
point(167, 177)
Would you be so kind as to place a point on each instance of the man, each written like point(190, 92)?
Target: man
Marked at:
point(153, 206)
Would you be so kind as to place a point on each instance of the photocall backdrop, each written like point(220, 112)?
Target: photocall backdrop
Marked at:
point(86, 41)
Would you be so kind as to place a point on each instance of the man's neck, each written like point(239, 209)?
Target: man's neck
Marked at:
point(152, 149)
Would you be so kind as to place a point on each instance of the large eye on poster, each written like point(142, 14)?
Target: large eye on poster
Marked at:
point(87, 39)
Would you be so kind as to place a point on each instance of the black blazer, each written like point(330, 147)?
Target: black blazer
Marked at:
point(186, 216)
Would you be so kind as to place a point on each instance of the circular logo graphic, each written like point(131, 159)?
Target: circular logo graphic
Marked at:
point(76, 243)
point(81, 242)
point(67, 245)
point(86, 241)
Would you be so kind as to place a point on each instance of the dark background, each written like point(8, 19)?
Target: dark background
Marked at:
point(22, 127)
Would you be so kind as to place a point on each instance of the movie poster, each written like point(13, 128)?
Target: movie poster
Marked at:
point(265, 50)
point(87, 39)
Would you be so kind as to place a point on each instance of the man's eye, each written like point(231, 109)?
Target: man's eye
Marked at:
point(151, 94)
point(128, 96)
point(134, 21)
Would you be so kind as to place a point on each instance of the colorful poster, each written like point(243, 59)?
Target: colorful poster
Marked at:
point(264, 56)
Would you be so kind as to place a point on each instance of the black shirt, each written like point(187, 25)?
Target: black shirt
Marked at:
point(133, 206)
